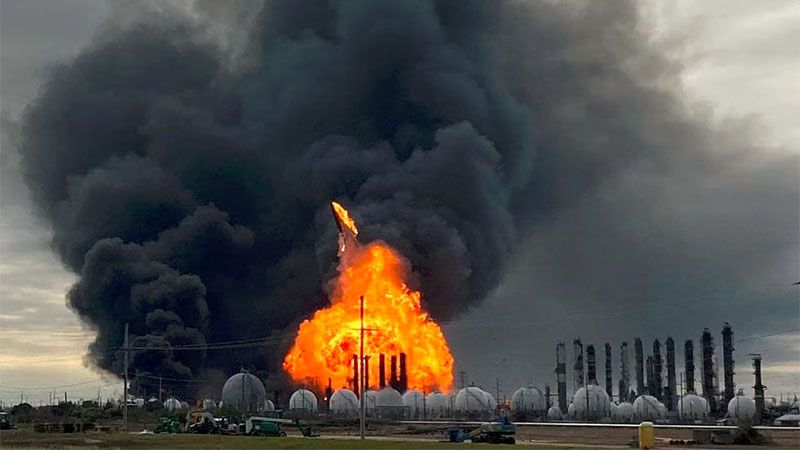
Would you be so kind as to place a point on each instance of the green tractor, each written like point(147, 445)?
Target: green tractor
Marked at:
point(265, 426)
point(168, 424)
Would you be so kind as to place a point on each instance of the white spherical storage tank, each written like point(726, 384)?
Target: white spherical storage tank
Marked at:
point(473, 399)
point(528, 400)
point(370, 401)
point(613, 411)
point(692, 407)
point(139, 402)
point(742, 409)
point(244, 391)
point(647, 407)
point(415, 402)
point(269, 406)
point(303, 400)
point(389, 397)
point(344, 403)
point(598, 403)
point(209, 404)
point(172, 404)
point(554, 413)
point(625, 412)
point(571, 410)
point(437, 405)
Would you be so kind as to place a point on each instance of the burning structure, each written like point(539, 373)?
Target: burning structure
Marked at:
point(371, 280)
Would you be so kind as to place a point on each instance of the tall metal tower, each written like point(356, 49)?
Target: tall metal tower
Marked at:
point(561, 375)
point(671, 379)
point(688, 361)
point(658, 370)
point(639, 368)
point(758, 387)
point(625, 378)
point(577, 347)
point(609, 382)
point(591, 365)
point(708, 369)
point(651, 384)
point(727, 361)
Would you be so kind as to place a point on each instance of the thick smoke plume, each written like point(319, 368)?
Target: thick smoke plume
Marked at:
point(186, 171)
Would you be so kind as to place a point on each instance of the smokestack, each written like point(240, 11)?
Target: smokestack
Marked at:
point(625, 380)
point(591, 365)
point(382, 371)
point(577, 347)
point(393, 381)
point(658, 382)
point(651, 384)
point(671, 381)
point(546, 397)
point(403, 382)
point(561, 375)
point(639, 355)
point(727, 361)
point(355, 374)
point(366, 373)
point(688, 357)
point(609, 383)
point(758, 388)
point(708, 369)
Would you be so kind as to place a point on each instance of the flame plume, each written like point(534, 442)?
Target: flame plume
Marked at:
point(325, 344)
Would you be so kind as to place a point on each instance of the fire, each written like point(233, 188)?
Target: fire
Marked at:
point(393, 315)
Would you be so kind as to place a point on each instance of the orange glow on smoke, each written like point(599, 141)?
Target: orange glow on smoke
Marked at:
point(325, 344)
point(344, 217)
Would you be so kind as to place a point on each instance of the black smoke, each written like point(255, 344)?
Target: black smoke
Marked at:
point(188, 188)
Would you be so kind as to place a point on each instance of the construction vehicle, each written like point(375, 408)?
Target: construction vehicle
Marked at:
point(201, 422)
point(499, 431)
point(168, 424)
point(265, 426)
point(5, 421)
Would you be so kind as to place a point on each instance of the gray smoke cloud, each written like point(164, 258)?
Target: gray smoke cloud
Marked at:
point(186, 171)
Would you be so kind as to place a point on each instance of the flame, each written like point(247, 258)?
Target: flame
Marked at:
point(393, 315)
point(344, 217)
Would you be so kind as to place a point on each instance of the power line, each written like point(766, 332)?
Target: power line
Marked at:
point(54, 387)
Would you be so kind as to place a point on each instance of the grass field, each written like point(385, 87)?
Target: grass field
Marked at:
point(25, 439)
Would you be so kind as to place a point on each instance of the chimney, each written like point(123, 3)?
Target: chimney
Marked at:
point(625, 379)
point(393, 382)
point(639, 368)
point(561, 375)
point(758, 388)
point(651, 384)
point(366, 373)
point(577, 346)
point(591, 365)
point(727, 360)
point(609, 383)
point(382, 371)
point(708, 370)
point(658, 370)
point(355, 375)
point(403, 382)
point(671, 381)
point(688, 357)
point(547, 397)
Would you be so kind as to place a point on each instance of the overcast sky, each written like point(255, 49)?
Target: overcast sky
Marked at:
point(740, 59)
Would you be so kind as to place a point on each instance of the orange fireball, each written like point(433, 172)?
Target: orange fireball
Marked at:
point(393, 315)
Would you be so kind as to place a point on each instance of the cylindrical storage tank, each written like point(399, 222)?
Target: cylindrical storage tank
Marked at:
point(244, 391)
point(528, 400)
point(646, 407)
point(172, 404)
point(554, 413)
point(303, 400)
point(371, 401)
point(692, 407)
point(613, 411)
point(437, 405)
point(742, 409)
point(472, 399)
point(344, 403)
point(269, 406)
point(389, 397)
point(625, 412)
point(414, 401)
point(598, 403)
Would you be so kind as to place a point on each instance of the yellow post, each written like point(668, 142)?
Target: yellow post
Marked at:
point(647, 435)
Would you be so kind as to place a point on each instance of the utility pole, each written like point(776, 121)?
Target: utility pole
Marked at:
point(125, 388)
point(159, 390)
point(362, 415)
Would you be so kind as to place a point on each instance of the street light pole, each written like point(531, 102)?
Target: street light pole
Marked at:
point(361, 374)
